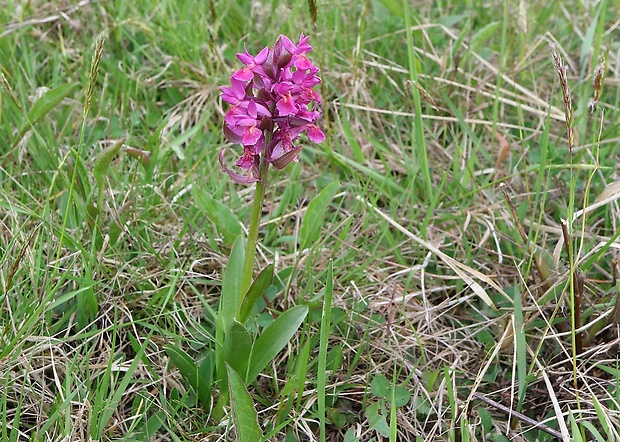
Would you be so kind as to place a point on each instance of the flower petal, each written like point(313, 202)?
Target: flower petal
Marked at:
point(262, 56)
point(244, 74)
point(232, 136)
point(315, 134)
point(286, 105)
point(252, 177)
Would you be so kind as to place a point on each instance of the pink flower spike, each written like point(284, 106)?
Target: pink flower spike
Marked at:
point(271, 97)
point(315, 134)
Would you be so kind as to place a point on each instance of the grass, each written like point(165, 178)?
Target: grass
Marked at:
point(452, 276)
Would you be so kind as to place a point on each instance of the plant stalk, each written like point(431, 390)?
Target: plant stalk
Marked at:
point(250, 247)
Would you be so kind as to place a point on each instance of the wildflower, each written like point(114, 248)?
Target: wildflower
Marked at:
point(252, 64)
point(273, 102)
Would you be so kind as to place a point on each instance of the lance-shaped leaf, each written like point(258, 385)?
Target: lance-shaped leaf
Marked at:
point(274, 338)
point(103, 161)
point(219, 214)
point(258, 288)
point(43, 106)
point(199, 380)
point(237, 347)
point(244, 413)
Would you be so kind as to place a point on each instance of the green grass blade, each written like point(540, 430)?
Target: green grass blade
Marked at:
point(323, 344)
point(313, 220)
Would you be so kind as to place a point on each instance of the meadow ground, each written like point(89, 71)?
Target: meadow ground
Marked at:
point(465, 198)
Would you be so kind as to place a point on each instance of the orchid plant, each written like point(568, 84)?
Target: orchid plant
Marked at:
point(272, 105)
point(273, 102)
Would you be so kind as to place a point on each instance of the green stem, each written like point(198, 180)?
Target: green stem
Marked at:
point(250, 247)
point(218, 411)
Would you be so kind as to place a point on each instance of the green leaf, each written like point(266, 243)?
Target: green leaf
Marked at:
point(376, 420)
point(313, 220)
point(231, 284)
point(401, 396)
point(482, 35)
point(274, 338)
point(244, 413)
point(380, 386)
point(237, 347)
point(43, 106)
point(258, 288)
point(188, 369)
point(219, 214)
point(230, 302)
point(394, 6)
point(103, 161)
point(350, 436)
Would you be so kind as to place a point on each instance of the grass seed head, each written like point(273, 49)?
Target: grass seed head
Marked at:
point(94, 71)
point(561, 69)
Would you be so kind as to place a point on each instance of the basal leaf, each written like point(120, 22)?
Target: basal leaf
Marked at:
point(231, 284)
point(274, 338)
point(258, 288)
point(237, 347)
point(219, 214)
point(244, 413)
point(189, 370)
